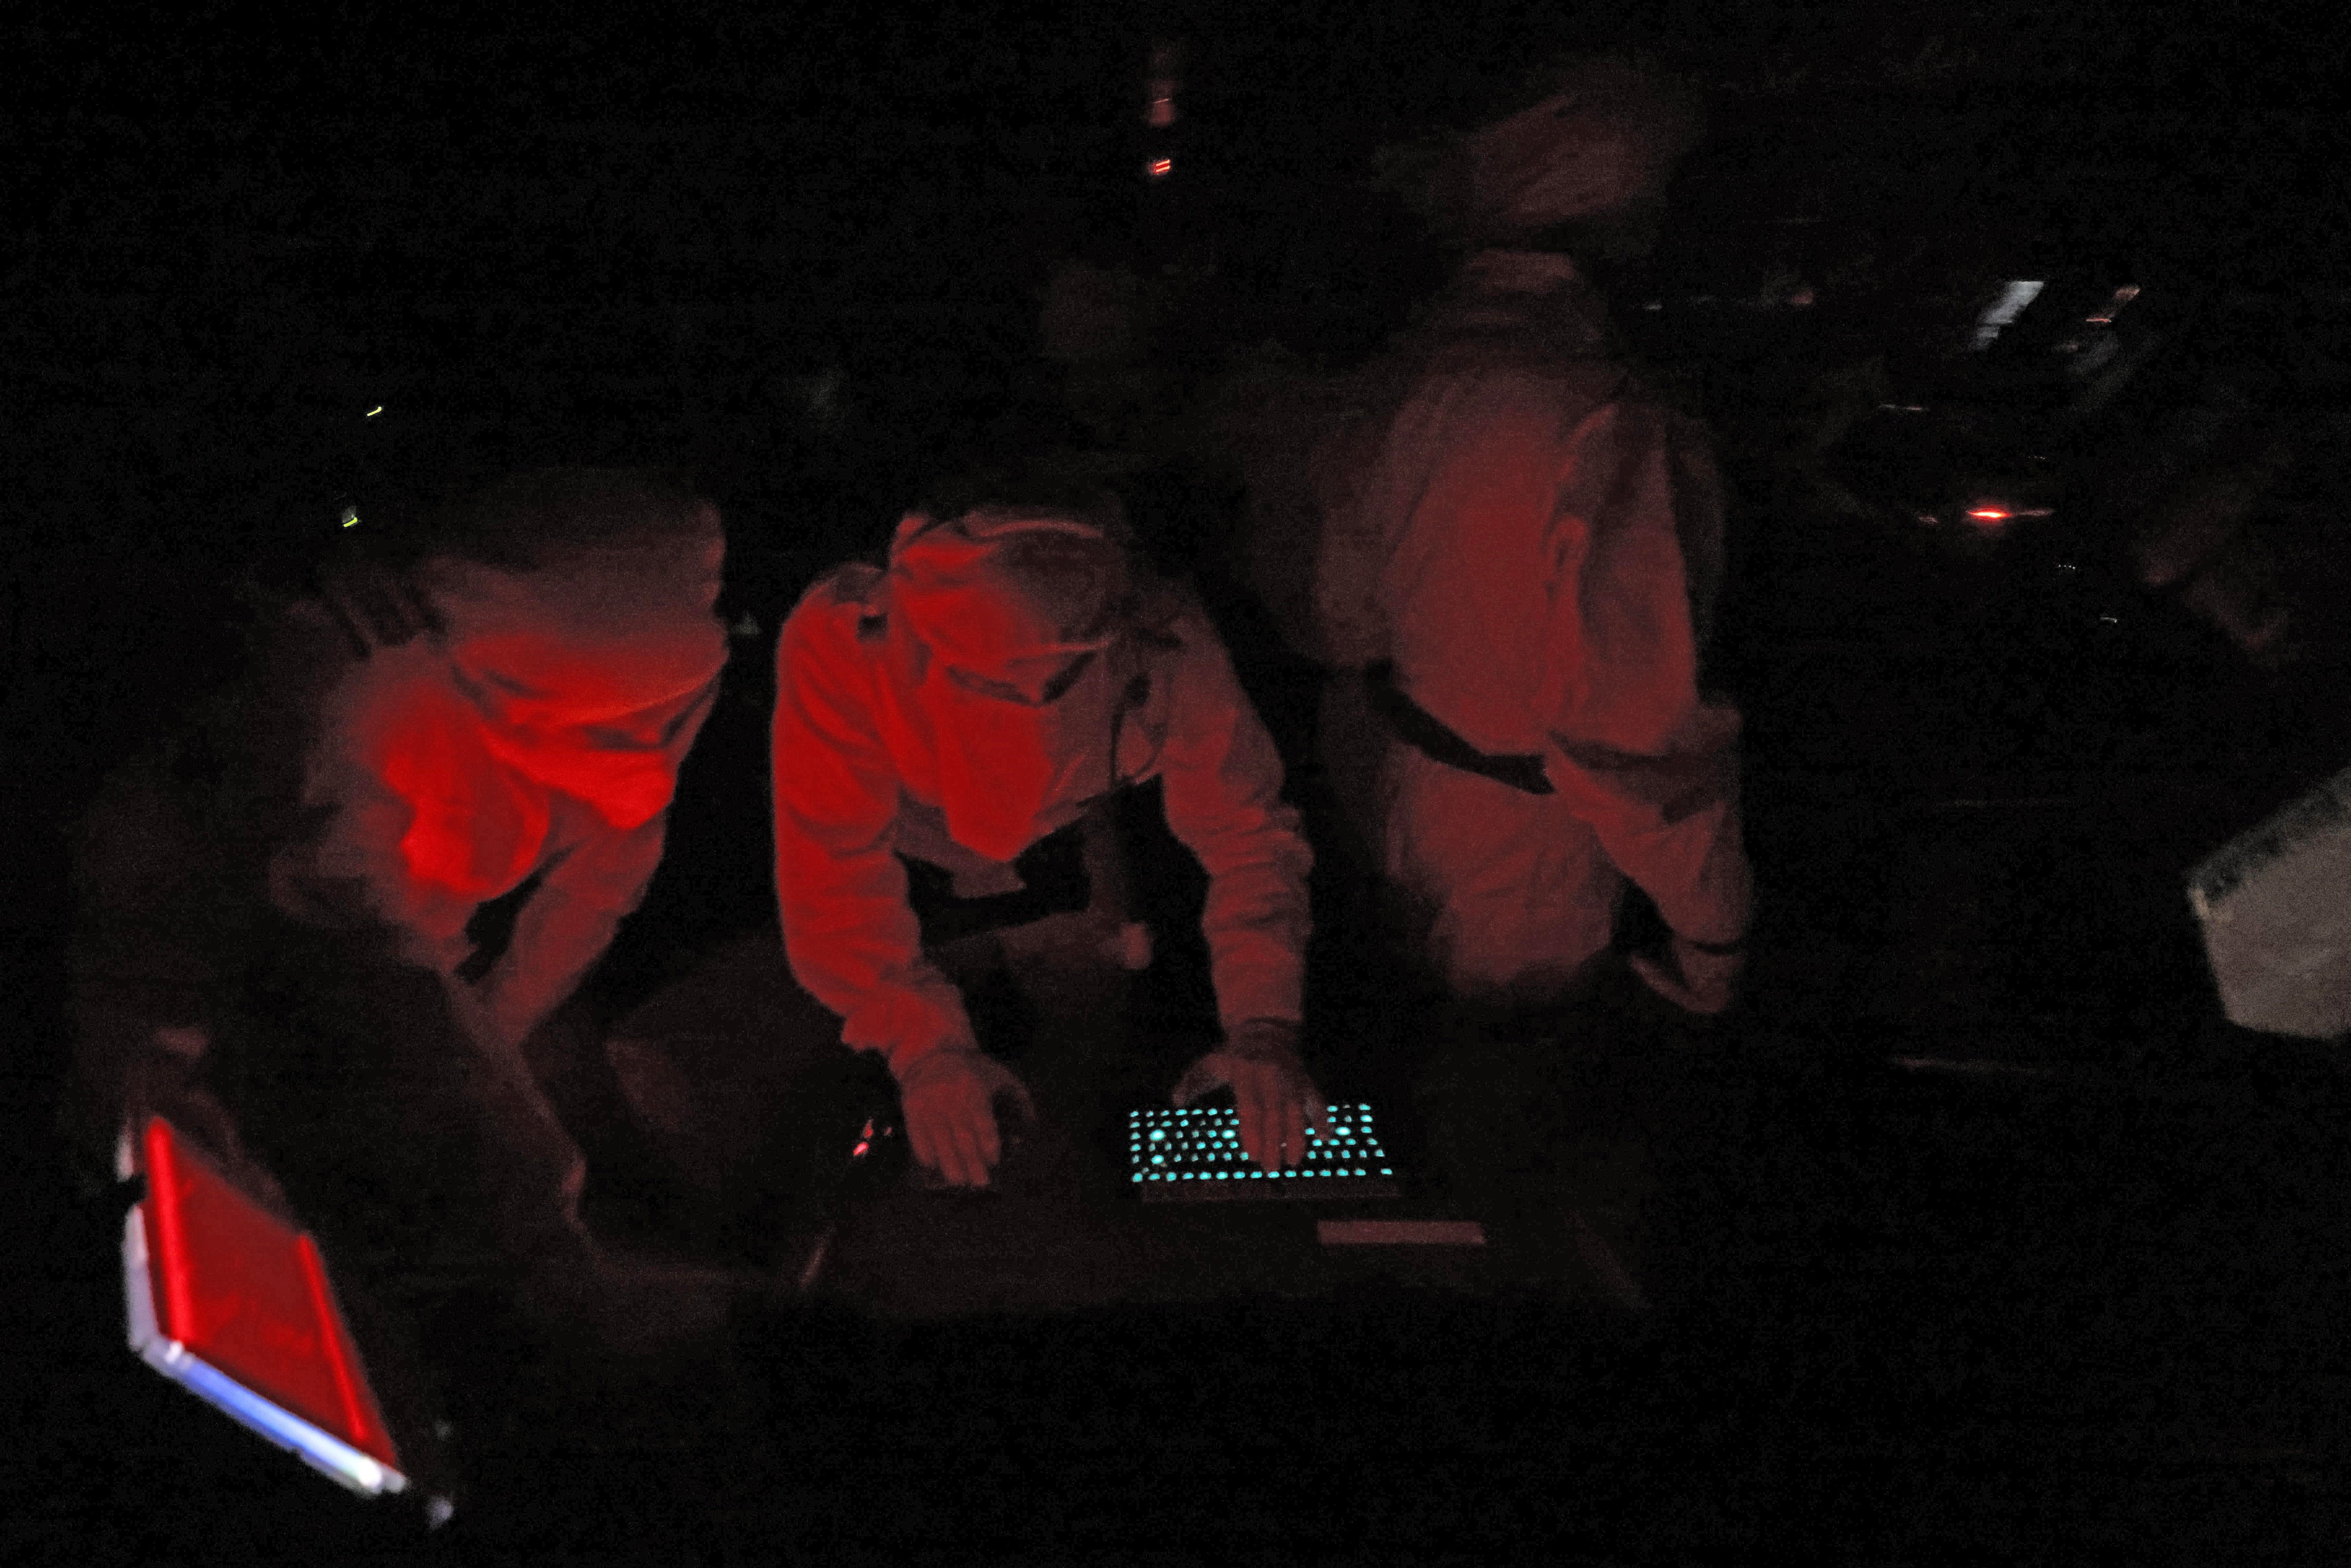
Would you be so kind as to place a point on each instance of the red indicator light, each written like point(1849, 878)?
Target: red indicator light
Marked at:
point(1158, 168)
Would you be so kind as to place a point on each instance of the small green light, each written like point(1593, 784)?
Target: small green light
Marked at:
point(376, 409)
point(350, 516)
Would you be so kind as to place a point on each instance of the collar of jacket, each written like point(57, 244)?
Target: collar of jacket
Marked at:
point(1535, 297)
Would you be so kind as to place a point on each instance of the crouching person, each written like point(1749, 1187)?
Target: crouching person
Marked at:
point(319, 926)
point(1004, 672)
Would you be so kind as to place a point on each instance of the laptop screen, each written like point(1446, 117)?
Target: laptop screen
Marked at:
point(233, 1302)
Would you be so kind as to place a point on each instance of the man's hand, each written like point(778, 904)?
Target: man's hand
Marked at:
point(1696, 981)
point(1270, 1083)
point(949, 1100)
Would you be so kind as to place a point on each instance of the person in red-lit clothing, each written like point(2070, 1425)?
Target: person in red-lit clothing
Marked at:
point(282, 941)
point(1520, 557)
point(1007, 669)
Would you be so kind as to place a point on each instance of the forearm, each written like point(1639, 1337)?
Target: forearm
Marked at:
point(1673, 827)
point(853, 942)
point(569, 924)
point(861, 957)
point(1696, 872)
point(557, 942)
point(1636, 748)
point(1257, 925)
point(850, 933)
point(1222, 785)
point(908, 1017)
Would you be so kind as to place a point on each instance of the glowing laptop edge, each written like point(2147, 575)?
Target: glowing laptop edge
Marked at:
point(151, 1234)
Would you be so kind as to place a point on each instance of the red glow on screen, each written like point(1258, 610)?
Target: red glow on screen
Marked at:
point(1160, 167)
point(1989, 514)
point(356, 1403)
point(248, 1293)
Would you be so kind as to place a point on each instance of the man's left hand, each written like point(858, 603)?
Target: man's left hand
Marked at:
point(1277, 1100)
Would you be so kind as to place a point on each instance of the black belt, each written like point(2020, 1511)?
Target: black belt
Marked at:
point(1433, 738)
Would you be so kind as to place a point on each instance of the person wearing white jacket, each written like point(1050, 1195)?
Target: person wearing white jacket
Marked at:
point(1518, 559)
point(1005, 671)
point(280, 942)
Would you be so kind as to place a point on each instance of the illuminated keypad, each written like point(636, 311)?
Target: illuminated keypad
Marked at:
point(1191, 1154)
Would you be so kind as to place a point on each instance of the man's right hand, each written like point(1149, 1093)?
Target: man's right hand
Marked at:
point(949, 1098)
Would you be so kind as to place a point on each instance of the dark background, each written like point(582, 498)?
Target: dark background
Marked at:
point(799, 253)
